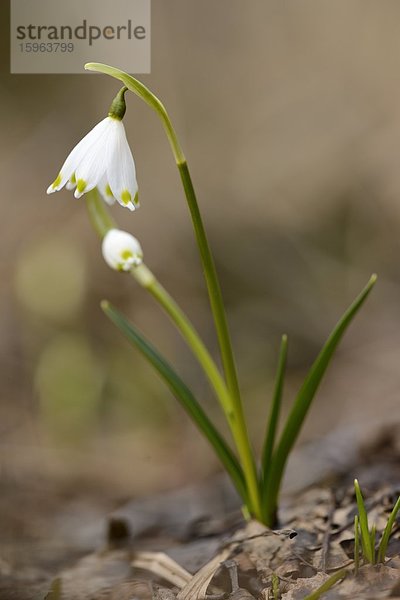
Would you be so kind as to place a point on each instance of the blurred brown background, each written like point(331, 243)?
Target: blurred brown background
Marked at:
point(289, 114)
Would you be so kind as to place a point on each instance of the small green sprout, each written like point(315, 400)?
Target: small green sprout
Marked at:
point(327, 585)
point(368, 535)
point(356, 544)
point(55, 592)
point(276, 593)
point(387, 531)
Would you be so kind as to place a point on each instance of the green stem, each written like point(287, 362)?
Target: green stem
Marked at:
point(214, 290)
point(146, 279)
point(98, 215)
point(221, 325)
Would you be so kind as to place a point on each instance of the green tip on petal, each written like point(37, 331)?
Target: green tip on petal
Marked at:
point(126, 197)
point(136, 199)
point(81, 185)
point(126, 254)
point(108, 190)
point(56, 182)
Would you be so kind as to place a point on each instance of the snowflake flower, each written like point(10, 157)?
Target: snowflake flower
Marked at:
point(104, 160)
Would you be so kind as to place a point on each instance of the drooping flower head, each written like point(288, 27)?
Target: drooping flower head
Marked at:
point(121, 250)
point(104, 160)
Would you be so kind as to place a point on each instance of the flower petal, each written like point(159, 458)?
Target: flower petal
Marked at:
point(92, 166)
point(121, 172)
point(76, 155)
point(71, 183)
point(105, 191)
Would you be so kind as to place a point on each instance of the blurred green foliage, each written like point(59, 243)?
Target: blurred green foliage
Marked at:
point(51, 278)
point(69, 382)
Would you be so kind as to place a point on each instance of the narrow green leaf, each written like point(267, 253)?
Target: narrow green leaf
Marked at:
point(182, 393)
point(273, 418)
point(325, 587)
point(365, 533)
point(304, 399)
point(372, 537)
point(356, 544)
point(388, 530)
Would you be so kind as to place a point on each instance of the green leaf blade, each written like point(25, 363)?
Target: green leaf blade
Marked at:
point(182, 393)
point(329, 583)
point(356, 544)
point(363, 519)
point(372, 536)
point(388, 530)
point(273, 418)
point(305, 397)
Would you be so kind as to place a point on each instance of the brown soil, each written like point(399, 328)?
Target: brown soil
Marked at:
point(181, 543)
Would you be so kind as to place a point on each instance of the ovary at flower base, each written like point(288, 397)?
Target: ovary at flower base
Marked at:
point(102, 159)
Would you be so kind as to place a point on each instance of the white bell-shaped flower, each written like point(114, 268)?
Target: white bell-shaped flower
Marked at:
point(104, 160)
point(121, 250)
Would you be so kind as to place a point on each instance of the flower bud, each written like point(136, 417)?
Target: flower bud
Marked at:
point(121, 250)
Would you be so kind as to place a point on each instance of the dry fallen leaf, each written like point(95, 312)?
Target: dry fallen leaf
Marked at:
point(95, 575)
point(163, 566)
point(197, 587)
point(372, 583)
